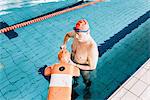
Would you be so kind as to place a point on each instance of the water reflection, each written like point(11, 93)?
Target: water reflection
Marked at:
point(6, 5)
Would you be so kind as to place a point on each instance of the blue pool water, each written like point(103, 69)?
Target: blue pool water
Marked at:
point(38, 44)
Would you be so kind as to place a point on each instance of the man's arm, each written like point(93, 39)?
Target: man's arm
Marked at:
point(92, 59)
point(67, 36)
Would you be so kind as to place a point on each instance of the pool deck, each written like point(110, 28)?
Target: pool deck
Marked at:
point(136, 87)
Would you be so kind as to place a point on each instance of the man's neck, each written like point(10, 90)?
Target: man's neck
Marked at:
point(88, 41)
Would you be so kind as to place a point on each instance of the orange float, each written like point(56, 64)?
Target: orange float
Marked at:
point(60, 87)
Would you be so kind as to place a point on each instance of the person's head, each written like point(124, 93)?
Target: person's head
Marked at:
point(64, 55)
point(82, 30)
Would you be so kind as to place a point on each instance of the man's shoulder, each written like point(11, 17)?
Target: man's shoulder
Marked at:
point(93, 43)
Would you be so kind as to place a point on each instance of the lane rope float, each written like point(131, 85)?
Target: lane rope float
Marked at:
point(7, 29)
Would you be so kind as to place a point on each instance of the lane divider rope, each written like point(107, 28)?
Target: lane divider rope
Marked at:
point(7, 29)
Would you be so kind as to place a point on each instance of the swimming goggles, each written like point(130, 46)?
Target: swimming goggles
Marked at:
point(78, 30)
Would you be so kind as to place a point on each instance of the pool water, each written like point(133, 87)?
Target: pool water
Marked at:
point(38, 44)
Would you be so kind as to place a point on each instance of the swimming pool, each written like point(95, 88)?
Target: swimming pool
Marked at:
point(36, 45)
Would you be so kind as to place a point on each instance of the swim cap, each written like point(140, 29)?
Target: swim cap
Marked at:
point(81, 26)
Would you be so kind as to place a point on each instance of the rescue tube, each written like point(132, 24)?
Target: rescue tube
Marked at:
point(61, 77)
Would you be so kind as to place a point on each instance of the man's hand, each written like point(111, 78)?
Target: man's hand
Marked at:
point(63, 46)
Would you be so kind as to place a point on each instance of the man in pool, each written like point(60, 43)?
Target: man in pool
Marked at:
point(84, 53)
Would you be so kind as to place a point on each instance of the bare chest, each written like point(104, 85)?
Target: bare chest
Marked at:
point(80, 53)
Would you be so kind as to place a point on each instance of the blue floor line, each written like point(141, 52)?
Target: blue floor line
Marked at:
point(11, 34)
point(108, 44)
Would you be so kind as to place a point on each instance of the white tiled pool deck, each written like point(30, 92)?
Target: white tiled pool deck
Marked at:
point(137, 87)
